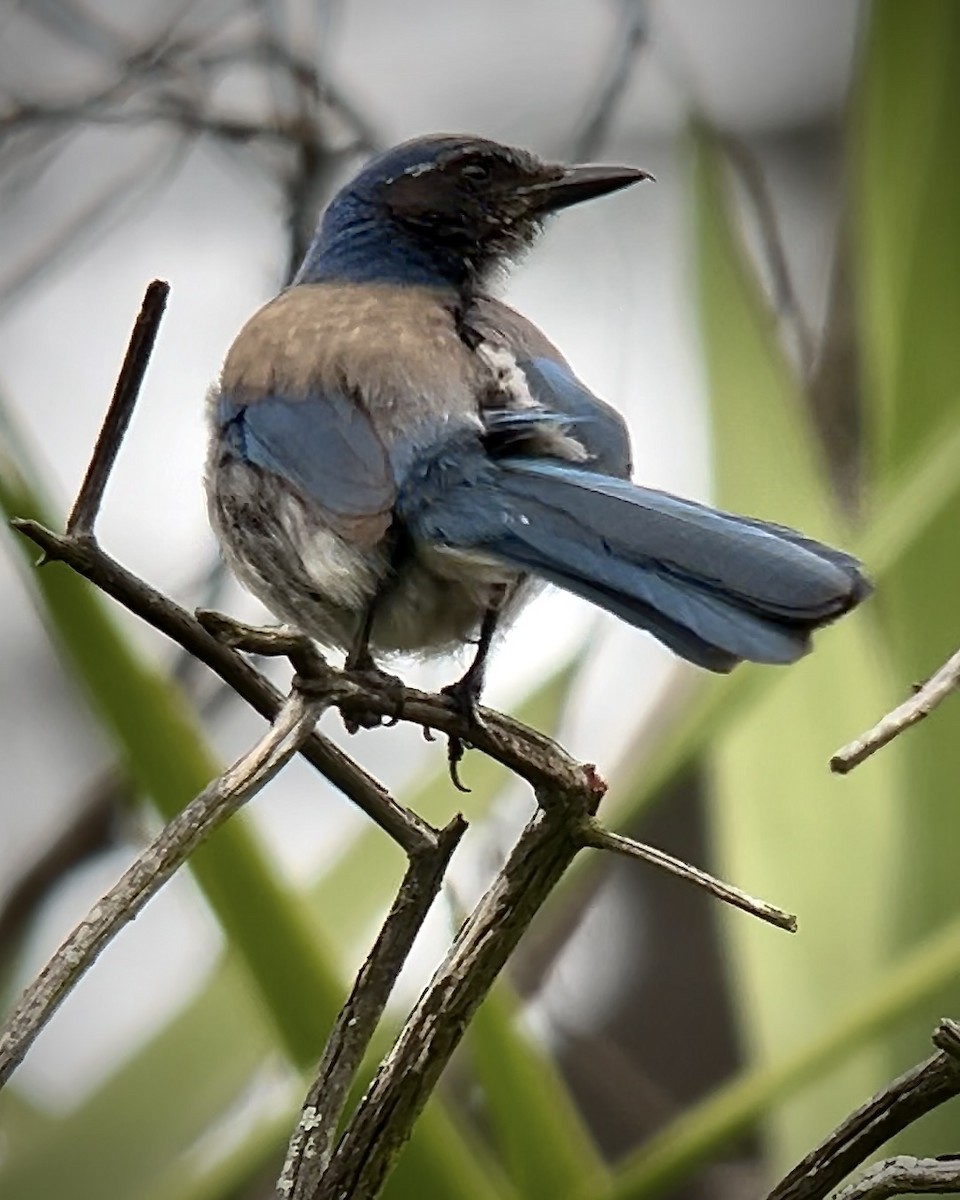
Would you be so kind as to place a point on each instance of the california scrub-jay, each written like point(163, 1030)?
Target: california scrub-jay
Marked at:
point(398, 458)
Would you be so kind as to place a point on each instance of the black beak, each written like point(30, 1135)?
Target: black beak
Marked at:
point(581, 183)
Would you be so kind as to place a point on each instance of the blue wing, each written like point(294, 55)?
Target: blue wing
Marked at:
point(324, 445)
point(598, 426)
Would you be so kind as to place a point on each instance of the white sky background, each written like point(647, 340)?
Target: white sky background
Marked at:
point(609, 284)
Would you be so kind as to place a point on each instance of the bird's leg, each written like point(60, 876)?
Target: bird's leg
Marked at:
point(359, 657)
point(359, 661)
point(465, 693)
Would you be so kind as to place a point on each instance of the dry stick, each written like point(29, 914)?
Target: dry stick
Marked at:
point(896, 1176)
point(84, 515)
point(311, 1144)
point(385, 1116)
point(936, 689)
point(90, 561)
point(529, 754)
point(152, 868)
point(632, 37)
point(604, 839)
point(902, 1102)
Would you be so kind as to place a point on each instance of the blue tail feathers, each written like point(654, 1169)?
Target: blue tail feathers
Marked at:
point(715, 587)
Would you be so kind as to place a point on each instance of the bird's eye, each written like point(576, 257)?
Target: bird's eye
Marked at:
point(476, 173)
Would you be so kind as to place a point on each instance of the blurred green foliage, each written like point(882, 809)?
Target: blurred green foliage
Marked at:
point(868, 861)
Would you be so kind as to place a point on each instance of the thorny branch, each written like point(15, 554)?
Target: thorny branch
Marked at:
point(567, 794)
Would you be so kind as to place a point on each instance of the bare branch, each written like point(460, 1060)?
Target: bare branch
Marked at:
point(895, 1176)
point(567, 792)
point(385, 1116)
point(90, 828)
point(632, 37)
point(902, 1102)
point(153, 867)
point(786, 302)
point(921, 704)
point(170, 82)
point(82, 519)
point(312, 1142)
point(604, 839)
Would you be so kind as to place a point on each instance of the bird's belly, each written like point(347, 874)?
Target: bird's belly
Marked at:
point(429, 602)
point(437, 598)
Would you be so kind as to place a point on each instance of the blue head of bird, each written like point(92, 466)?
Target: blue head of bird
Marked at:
point(446, 211)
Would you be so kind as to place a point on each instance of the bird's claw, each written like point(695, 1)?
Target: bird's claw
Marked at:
point(390, 686)
point(464, 696)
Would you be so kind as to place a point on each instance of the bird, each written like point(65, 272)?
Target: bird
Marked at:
point(398, 460)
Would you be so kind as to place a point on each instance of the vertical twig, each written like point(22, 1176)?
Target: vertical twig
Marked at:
point(385, 1116)
point(311, 1145)
point(84, 515)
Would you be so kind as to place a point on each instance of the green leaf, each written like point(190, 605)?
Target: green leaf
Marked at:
point(782, 827)
point(164, 752)
point(907, 176)
point(150, 1111)
point(438, 1161)
point(914, 496)
point(543, 1142)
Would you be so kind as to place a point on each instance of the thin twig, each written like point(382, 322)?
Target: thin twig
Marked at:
point(904, 1174)
point(88, 829)
point(152, 868)
point(902, 1102)
point(82, 519)
point(921, 704)
point(605, 839)
point(311, 1145)
point(787, 304)
point(530, 754)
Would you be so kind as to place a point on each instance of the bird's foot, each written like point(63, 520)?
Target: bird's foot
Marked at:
point(464, 696)
point(365, 671)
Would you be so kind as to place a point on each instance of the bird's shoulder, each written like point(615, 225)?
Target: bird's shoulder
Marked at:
point(380, 340)
point(529, 375)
